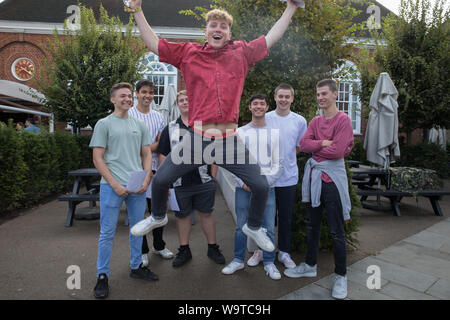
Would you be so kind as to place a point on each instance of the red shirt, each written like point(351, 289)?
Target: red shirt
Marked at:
point(339, 129)
point(214, 78)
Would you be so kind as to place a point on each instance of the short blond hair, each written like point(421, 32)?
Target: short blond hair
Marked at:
point(181, 93)
point(219, 14)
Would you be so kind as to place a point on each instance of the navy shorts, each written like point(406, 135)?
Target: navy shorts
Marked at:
point(198, 197)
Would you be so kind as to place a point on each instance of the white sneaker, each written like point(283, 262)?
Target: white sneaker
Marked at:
point(165, 253)
point(302, 270)
point(233, 267)
point(148, 224)
point(255, 259)
point(145, 260)
point(260, 237)
point(272, 271)
point(339, 287)
point(285, 258)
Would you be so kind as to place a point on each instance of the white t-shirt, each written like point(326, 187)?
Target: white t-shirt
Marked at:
point(155, 124)
point(292, 128)
point(264, 145)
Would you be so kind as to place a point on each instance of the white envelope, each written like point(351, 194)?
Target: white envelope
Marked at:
point(136, 180)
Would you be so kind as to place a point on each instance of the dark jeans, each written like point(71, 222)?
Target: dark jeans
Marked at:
point(331, 203)
point(158, 242)
point(285, 197)
point(229, 153)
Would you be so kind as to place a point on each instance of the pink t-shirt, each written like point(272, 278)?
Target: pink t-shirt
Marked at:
point(338, 129)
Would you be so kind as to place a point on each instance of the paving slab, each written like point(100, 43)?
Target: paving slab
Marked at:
point(440, 289)
point(429, 239)
point(398, 274)
point(441, 228)
point(400, 292)
point(310, 292)
point(356, 291)
point(445, 248)
point(407, 255)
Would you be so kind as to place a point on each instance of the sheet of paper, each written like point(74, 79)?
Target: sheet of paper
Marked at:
point(136, 180)
point(300, 3)
point(149, 190)
point(173, 201)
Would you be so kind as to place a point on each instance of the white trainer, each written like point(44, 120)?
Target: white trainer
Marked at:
point(255, 259)
point(148, 224)
point(302, 270)
point(339, 287)
point(272, 271)
point(285, 259)
point(145, 260)
point(233, 267)
point(165, 253)
point(260, 237)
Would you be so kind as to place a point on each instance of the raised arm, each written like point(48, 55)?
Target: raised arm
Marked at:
point(149, 37)
point(281, 25)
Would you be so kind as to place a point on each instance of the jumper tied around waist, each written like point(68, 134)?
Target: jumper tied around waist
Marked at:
point(312, 182)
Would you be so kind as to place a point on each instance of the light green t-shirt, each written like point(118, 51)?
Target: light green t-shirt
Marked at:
point(122, 138)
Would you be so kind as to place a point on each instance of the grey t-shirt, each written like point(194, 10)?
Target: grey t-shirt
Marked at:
point(122, 138)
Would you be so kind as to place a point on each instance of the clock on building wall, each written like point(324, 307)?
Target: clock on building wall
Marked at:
point(23, 69)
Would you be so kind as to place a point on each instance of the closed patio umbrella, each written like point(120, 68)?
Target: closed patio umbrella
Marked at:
point(168, 107)
point(381, 139)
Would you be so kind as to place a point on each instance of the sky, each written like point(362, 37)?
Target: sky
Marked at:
point(394, 4)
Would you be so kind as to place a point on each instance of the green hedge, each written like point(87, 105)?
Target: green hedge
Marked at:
point(298, 239)
point(424, 155)
point(358, 153)
point(34, 166)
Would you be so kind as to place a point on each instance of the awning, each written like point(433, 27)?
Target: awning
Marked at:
point(21, 91)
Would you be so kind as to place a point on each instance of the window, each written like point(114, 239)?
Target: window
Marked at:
point(161, 74)
point(349, 79)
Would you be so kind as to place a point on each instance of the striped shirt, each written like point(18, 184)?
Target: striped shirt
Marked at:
point(155, 124)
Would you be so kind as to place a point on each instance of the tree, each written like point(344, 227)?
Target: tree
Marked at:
point(415, 52)
point(85, 63)
point(311, 49)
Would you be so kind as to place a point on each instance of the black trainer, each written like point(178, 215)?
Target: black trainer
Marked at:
point(183, 256)
point(101, 290)
point(143, 273)
point(215, 254)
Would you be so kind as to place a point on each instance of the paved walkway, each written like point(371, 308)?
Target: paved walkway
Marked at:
point(416, 268)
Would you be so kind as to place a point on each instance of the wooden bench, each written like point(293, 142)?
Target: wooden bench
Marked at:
point(395, 197)
point(75, 199)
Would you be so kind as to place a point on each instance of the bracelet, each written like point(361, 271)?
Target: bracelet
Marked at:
point(127, 9)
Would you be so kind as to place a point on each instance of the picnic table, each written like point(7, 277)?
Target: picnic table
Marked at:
point(376, 182)
point(83, 176)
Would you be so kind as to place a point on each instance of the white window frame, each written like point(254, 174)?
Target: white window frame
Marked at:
point(161, 74)
point(349, 81)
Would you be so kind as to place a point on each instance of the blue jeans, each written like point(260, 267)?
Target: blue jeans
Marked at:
point(242, 204)
point(110, 204)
